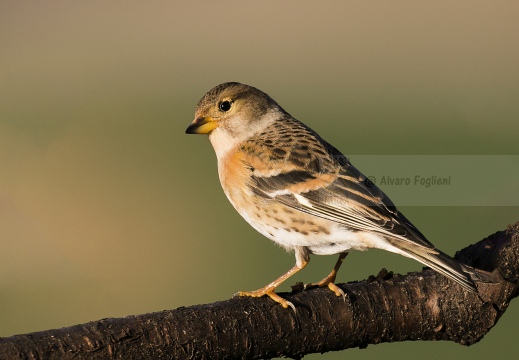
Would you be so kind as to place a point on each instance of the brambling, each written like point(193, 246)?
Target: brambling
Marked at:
point(301, 192)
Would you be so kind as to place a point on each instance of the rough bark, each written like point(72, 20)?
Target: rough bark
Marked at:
point(385, 308)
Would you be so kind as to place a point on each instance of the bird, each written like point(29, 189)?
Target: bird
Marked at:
point(299, 191)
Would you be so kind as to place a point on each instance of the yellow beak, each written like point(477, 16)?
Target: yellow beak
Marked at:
point(202, 125)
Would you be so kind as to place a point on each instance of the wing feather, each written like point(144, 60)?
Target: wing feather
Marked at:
point(328, 186)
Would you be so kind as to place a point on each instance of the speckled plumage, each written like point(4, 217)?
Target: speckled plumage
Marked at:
point(301, 192)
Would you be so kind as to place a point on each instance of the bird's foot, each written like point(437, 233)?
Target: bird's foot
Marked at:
point(269, 291)
point(329, 283)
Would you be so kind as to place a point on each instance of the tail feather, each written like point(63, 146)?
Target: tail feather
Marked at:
point(463, 274)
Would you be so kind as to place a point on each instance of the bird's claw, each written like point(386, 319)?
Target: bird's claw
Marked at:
point(270, 293)
point(327, 283)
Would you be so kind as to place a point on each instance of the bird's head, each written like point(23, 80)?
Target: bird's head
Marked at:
point(231, 112)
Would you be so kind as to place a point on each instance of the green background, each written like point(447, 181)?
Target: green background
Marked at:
point(108, 209)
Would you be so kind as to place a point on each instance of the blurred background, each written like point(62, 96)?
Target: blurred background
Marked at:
point(108, 209)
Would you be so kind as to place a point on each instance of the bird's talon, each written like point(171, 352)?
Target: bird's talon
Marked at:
point(288, 303)
point(309, 286)
point(270, 293)
point(327, 283)
point(337, 290)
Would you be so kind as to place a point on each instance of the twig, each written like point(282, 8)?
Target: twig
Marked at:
point(385, 308)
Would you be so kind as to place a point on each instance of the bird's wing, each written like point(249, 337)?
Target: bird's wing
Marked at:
point(315, 178)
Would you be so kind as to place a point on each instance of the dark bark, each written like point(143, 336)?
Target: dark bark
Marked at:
point(386, 308)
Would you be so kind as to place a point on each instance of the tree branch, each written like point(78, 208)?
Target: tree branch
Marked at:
point(386, 308)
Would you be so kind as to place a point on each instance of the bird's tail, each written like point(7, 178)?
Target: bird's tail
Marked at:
point(463, 274)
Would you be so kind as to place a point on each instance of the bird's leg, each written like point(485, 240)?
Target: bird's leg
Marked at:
point(302, 259)
point(330, 279)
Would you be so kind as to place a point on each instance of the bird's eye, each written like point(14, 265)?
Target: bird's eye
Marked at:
point(225, 105)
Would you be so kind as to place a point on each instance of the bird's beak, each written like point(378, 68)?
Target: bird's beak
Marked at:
point(202, 125)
